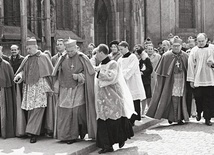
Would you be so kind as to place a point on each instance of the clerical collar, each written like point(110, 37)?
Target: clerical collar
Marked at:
point(106, 60)
point(207, 45)
point(126, 55)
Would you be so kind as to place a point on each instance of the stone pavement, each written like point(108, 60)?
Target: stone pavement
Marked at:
point(49, 146)
point(193, 138)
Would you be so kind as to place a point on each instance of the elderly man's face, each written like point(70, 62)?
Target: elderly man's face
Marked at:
point(176, 47)
point(31, 49)
point(71, 51)
point(14, 51)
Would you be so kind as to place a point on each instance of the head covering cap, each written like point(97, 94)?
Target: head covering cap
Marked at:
point(190, 38)
point(170, 36)
point(31, 41)
point(70, 43)
point(176, 39)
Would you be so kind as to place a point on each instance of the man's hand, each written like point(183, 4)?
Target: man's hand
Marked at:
point(18, 78)
point(192, 84)
point(210, 63)
point(75, 76)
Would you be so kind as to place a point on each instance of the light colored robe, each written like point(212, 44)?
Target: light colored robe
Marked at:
point(132, 76)
point(198, 70)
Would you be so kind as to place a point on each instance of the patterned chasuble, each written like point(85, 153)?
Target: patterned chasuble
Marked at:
point(34, 95)
point(110, 98)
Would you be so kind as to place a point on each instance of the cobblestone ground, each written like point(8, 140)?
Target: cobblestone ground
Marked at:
point(194, 138)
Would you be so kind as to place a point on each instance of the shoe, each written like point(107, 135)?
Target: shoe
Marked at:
point(71, 141)
point(106, 150)
point(180, 122)
point(82, 136)
point(198, 117)
point(170, 122)
point(49, 135)
point(121, 144)
point(207, 122)
point(33, 139)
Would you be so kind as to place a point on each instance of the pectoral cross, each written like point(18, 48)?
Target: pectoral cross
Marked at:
point(177, 64)
point(72, 66)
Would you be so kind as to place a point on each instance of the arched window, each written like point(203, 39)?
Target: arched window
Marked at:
point(186, 14)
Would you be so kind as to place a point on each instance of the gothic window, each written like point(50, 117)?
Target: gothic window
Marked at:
point(186, 14)
point(12, 12)
point(63, 14)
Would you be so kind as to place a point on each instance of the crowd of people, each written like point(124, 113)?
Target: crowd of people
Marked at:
point(102, 93)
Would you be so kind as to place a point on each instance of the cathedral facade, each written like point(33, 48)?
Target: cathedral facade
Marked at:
point(101, 21)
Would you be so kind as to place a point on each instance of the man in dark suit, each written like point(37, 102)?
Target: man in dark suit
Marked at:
point(15, 59)
point(61, 50)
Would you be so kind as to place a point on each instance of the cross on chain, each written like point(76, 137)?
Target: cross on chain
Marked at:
point(72, 66)
point(177, 64)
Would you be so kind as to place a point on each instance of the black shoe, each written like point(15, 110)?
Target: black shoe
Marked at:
point(180, 122)
point(106, 150)
point(71, 141)
point(170, 122)
point(207, 122)
point(121, 144)
point(33, 139)
point(198, 117)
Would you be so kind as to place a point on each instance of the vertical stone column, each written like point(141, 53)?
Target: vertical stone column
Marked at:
point(47, 25)
point(1, 18)
point(117, 26)
point(23, 10)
